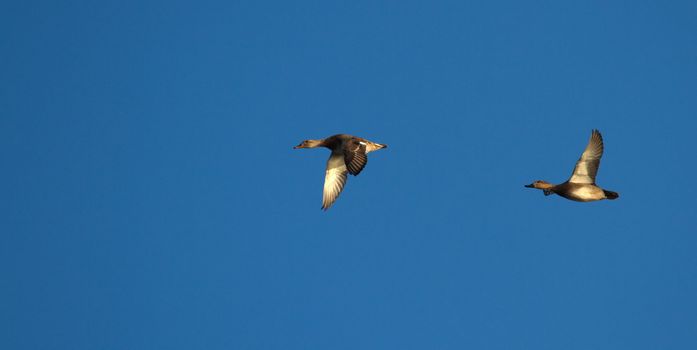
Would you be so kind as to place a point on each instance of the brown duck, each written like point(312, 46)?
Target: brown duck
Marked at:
point(581, 186)
point(349, 155)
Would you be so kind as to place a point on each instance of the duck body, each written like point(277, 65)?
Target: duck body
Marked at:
point(349, 156)
point(581, 185)
point(580, 192)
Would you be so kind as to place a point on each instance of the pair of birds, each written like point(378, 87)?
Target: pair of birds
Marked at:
point(349, 156)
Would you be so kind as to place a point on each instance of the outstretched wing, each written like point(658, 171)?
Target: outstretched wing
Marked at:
point(587, 166)
point(334, 179)
point(354, 156)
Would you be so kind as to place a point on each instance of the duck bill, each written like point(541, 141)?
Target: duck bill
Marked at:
point(299, 146)
point(530, 186)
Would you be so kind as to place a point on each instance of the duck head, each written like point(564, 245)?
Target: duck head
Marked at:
point(543, 185)
point(309, 144)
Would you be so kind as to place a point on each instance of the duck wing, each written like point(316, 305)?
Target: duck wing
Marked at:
point(355, 155)
point(334, 179)
point(587, 166)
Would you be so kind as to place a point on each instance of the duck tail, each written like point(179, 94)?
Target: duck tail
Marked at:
point(611, 195)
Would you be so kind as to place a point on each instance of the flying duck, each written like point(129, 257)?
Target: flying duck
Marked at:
point(581, 185)
point(349, 155)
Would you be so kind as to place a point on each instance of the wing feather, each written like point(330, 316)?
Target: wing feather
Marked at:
point(334, 179)
point(587, 166)
point(355, 156)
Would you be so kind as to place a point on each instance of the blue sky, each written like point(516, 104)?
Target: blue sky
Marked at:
point(151, 198)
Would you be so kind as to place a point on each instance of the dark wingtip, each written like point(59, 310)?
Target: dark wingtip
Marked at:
point(611, 194)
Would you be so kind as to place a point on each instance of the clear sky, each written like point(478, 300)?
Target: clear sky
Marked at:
point(150, 197)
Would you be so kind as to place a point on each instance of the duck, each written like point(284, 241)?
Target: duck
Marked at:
point(349, 156)
point(581, 185)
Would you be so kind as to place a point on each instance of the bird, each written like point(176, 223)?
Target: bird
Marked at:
point(349, 156)
point(581, 185)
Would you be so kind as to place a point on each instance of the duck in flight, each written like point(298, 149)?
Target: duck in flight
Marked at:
point(581, 185)
point(349, 156)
